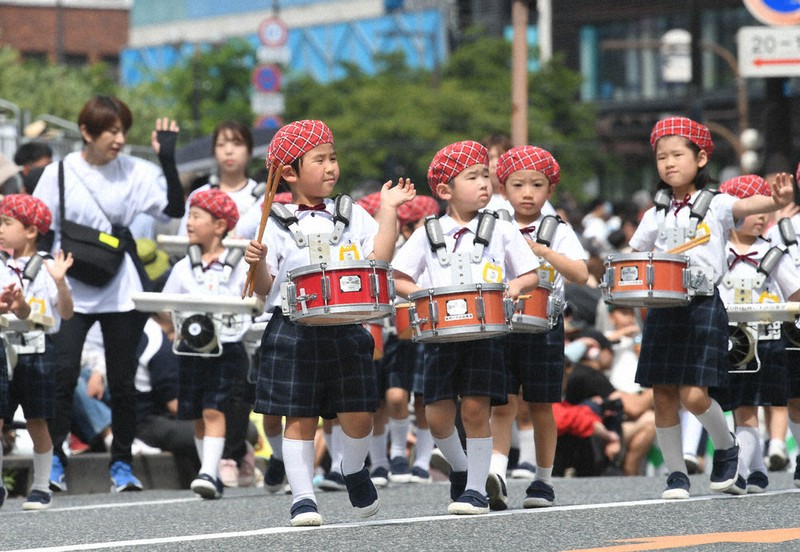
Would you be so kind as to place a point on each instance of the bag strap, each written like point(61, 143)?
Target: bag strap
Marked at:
point(61, 195)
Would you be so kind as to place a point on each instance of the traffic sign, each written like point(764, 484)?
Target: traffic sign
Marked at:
point(269, 121)
point(273, 32)
point(267, 78)
point(775, 12)
point(267, 103)
point(769, 51)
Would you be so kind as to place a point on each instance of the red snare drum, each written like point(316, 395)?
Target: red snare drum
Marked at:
point(376, 331)
point(646, 280)
point(458, 313)
point(532, 312)
point(345, 293)
point(402, 321)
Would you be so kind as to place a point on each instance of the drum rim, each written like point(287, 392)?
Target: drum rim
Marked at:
point(645, 256)
point(494, 330)
point(337, 266)
point(461, 288)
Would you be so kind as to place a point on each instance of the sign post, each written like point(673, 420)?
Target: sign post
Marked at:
point(769, 51)
point(267, 100)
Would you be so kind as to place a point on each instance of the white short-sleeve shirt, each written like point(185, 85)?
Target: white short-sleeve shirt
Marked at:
point(123, 189)
point(782, 282)
point(718, 222)
point(41, 293)
point(243, 198)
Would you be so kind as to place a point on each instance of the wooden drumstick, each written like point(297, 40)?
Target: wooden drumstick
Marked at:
point(273, 178)
point(524, 297)
point(699, 240)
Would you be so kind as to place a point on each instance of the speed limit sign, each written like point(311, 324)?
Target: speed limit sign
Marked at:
point(273, 32)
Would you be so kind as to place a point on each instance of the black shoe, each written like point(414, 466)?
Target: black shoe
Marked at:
point(305, 514)
point(362, 493)
point(207, 487)
point(458, 483)
point(757, 482)
point(677, 486)
point(725, 469)
point(498, 494)
point(275, 475)
point(539, 495)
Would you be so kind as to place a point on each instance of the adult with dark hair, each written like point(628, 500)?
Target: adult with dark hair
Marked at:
point(32, 155)
point(106, 189)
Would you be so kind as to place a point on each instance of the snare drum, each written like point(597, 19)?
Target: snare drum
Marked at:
point(376, 331)
point(402, 322)
point(646, 280)
point(346, 293)
point(533, 313)
point(458, 313)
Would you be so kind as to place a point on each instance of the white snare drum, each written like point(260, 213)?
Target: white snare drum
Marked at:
point(646, 280)
point(535, 312)
point(345, 293)
point(458, 313)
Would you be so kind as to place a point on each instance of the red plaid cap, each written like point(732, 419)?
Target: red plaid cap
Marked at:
point(745, 186)
point(683, 126)
point(294, 140)
point(283, 197)
point(219, 204)
point(28, 210)
point(528, 158)
point(453, 159)
point(416, 209)
point(371, 203)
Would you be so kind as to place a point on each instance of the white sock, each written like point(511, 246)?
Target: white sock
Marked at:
point(354, 452)
point(452, 451)
point(377, 451)
point(716, 424)
point(298, 456)
point(42, 462)
point(527, 447)
point(198, 445)
point(479, 457)
point(794, 428)
point(276, 444)
point(748, 446)
point(692, 431)
point(669, 441)
point(335, 449)
point(424, 448)
point(498, 464)
point(212, 454)
point(544, 475)
point(776, 446)
point(398, 432)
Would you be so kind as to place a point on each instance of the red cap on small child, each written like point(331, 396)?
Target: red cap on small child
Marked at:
point(693, 131)
point(418, 208)
point(219, 204)
point(28, 210)
point(528, 158)
point(745, 186)
point(453, 159)
point(371, 203)
point(296, 139)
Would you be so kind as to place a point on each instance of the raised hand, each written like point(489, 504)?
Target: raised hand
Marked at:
point(166, 131)
point(394, 196)
point(57, 266)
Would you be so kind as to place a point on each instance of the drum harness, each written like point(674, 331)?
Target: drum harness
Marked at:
point(459, 263)
point(256, 193)
point(789, 238)
point(33, 341)
point(699, 281)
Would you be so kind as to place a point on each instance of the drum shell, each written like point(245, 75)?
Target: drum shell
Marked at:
point(646, 280)
point(402, 322)
point(531, 315)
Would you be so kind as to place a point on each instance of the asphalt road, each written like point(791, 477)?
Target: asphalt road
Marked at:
point(614, 513)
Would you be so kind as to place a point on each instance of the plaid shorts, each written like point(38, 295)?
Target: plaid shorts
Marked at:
point(793, 373)
point(33, 385)
point(767, 387)
point(685, 345)
point(465, 368)
point(402, 360)
point(535, 361)
point(208, 382)
point(309, 371)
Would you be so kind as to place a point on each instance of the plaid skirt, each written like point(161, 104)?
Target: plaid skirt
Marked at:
point(33, 385)
point(767, 387)
point(465, 368)
point(208, 382)
point(535, 362)
point(685, 345)
point(310, 371)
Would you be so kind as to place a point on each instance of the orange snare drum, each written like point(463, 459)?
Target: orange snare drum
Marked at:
point(376, 331)
point(646, 280)
point(402, 322)
point(345, 293)
point(533, 313)
point(458, 313)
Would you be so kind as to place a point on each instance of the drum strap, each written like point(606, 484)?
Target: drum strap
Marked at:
point(765, 267)
point(342, 212)
point(697, 213)
point(547, 229)
point(32, 268)
point(204, 275)
point(485, 230)
point(789, 238)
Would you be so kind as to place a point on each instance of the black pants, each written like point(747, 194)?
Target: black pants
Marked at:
point(122, 332)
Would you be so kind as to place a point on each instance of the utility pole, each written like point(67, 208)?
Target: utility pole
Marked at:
point(519, 73)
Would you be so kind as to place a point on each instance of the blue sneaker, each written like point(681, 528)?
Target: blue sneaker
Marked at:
point(37, 500)
point(380, 476)
point(757, 482)
point(275, 475)
point(122, 478)
point(470, 503)
point(725, 469)
point(3, 495)
point(458, 483)
point(58, 482)
point(677, 486)
point(539, 495)
point(305, 514)
point(207, 487)
point(399, 470)
point(498, 494)
point(362, 493)
point(420, 475)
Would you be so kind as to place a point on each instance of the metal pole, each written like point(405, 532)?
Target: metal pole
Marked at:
point(519, 73)
point(544, 9)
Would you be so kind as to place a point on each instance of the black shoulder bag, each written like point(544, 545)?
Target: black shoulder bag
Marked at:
point(96, 255)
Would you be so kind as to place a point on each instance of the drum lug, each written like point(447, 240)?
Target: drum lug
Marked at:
point(392, 289)
point(480, 310)
point(433, 312)
point(302, 298)
point(509, 308)
point(326, 289)
point(374, 286)
point(554, 306)
point(650, 275)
